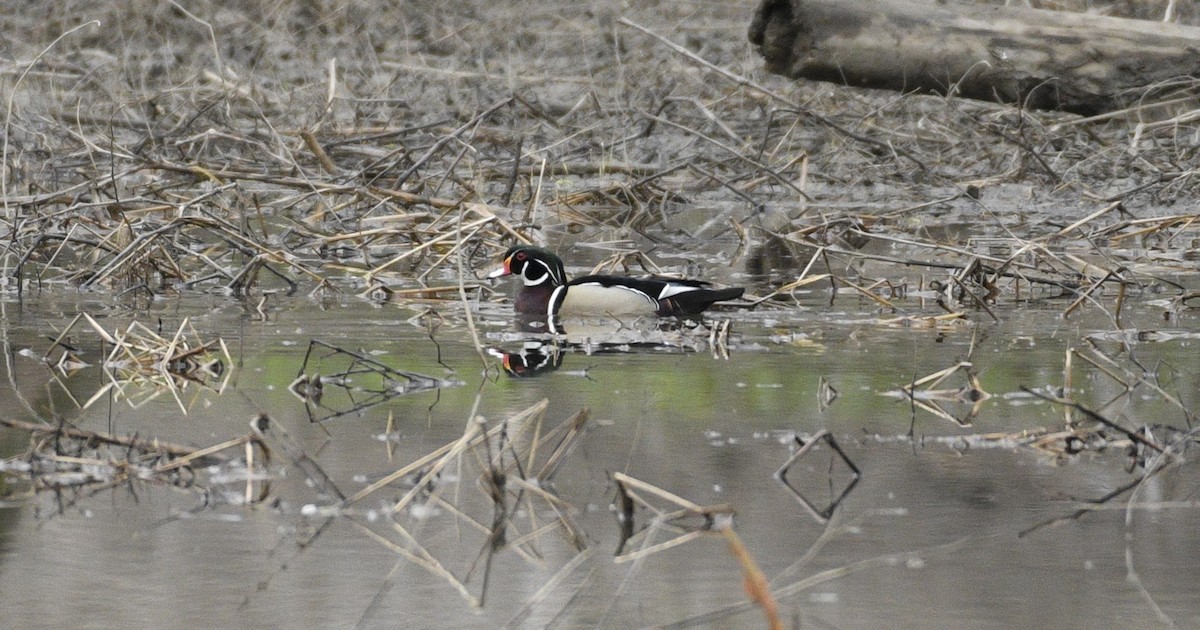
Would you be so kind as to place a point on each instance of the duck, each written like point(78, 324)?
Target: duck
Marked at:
point(533, 359)
point(546, 291)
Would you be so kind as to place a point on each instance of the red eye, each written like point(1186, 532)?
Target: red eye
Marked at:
point(521, 256)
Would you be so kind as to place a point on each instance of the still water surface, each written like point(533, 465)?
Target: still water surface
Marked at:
point(931, 536)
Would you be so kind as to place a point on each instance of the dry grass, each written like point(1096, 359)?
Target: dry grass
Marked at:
point(358, 148)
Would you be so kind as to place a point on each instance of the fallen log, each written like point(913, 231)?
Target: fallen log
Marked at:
point(1075, 62)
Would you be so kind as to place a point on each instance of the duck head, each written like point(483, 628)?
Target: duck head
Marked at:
point(536, 266)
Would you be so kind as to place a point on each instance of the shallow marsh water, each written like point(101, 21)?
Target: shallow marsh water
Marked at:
point(934, 535)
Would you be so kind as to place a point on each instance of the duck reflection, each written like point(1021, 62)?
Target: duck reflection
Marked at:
point(535, 358)
point(602, 335)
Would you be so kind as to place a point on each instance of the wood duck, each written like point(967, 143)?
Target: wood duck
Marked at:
point(547, 293)
point(534, 359)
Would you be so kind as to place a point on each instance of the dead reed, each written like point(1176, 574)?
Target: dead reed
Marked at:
point(188, 173)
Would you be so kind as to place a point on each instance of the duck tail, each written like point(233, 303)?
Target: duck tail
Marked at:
point(693, 302)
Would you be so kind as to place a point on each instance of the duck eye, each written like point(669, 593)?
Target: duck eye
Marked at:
point(521, 256)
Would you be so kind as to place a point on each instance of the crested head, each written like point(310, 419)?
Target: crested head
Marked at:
point(535, 265)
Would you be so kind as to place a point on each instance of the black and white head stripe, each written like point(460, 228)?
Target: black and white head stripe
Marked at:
point(535, 265)
point(535, 271)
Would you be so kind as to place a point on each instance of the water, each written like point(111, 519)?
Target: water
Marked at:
point(954, 527)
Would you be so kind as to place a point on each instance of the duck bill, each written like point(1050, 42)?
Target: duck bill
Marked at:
point(506, 270)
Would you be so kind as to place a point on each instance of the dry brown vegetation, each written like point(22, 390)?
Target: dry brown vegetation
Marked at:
point(352, 147)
